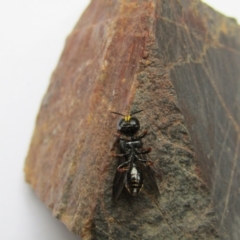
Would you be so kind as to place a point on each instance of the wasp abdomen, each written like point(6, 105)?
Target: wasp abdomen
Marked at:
point(134, 181)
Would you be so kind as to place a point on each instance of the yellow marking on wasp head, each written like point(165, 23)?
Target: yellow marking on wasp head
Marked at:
point(127, 118)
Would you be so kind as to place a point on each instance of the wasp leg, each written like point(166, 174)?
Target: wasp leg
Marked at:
point(118, 154)
point(144, 151)
point(122, 137)
point(142, 135)
point(148, 162)
point(121, 167)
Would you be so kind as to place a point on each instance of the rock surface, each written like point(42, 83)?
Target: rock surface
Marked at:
point(177, 60)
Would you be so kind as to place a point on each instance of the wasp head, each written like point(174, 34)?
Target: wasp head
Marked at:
point(128, 125)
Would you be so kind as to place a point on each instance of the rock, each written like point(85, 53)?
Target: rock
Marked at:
point(174, 60)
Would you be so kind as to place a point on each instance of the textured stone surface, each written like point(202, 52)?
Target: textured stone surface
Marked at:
point(210, 103)
point(175, 60)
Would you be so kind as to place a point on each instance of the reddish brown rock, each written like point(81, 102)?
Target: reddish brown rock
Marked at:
point(174, 59)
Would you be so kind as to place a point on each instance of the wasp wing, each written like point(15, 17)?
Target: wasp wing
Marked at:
point(119, 180)
point(149, 175)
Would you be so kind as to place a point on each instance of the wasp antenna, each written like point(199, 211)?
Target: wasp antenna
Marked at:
point(136, 112)
point(118, 113)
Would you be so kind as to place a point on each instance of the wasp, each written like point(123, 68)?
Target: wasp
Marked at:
point(133, 166)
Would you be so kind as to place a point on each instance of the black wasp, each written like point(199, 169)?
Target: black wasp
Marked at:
point(133, 166)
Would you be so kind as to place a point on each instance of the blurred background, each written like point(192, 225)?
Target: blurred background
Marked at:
point(32, 38)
